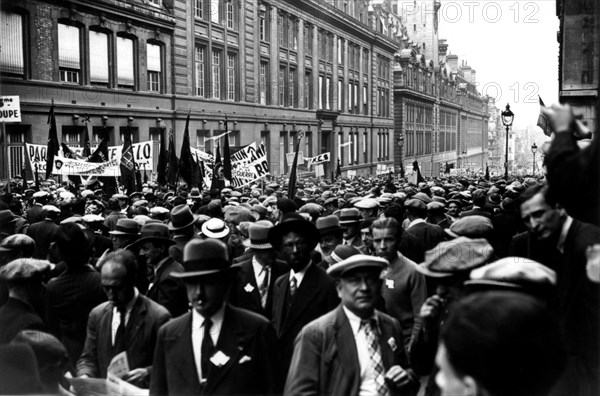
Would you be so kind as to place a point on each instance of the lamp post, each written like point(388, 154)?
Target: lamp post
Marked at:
point(507, 119)
point(534, 150)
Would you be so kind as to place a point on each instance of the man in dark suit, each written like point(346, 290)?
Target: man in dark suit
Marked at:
point(306, 291)
point(154, 245)
point(353, 349)
point(128, 322)
point(253, 288)
point(430, 234)
point(73, 294)
point(216, 349)
point(560, 242)
point(350, 222)
point(479, 201)
point(44, 232)
point(24, 280)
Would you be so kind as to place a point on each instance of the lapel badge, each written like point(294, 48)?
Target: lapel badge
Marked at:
point(392, 344)
point(245, 359)
point(389, 283)
point(249, 288)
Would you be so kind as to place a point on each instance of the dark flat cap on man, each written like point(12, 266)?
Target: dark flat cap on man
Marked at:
point(471, 227)
point(126, 227)
point(423, 197)
point(416, 204)
point(204, 257)
point(454, 257)
point(154, 232)
point(512, 273)
point(24, 269)
point(17, 242)
point(328, 225)
point(6, 217)
point(349, 216)
point(294, 222)
point(181, 217)
point(435, 206)
point(358, 261)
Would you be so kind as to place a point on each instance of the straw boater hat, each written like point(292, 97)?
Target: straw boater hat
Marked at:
point(215, 228)
point(259, 236)
point(204, 257)
point(354, 262)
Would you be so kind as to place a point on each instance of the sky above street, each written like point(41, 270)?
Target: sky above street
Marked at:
point(512, 45)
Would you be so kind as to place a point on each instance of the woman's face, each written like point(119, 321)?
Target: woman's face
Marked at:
point(448, 380)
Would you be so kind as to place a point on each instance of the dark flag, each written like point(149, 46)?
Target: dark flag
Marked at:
point(292, 182)
point(101, 152)
point(187, 167)
point(109, 185)
point(216, 183)
point(543, 119)
point(447, 170)
point(161, 170)
point(24, 177)
point(53, 144)
point(402, 170)
point(87, 151)
point(172, 163)
point(416, 168)
point(487, 172)
point(226, 158)
point(127, 165)
point(338, 170)
point(332, 177)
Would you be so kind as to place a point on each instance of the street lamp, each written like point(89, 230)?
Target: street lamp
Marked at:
point(507, 119)
point(534, 150)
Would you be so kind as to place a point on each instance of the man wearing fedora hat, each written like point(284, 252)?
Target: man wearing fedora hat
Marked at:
point(182, 229)
point(154, 245)
point(303, 293)
point(350, 222)
point(354, 349)
point(332, 235)
point(253, 288)
point(216, 349)
point(126, 232)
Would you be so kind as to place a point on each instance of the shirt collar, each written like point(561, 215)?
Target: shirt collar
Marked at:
point(161, 263)
point(216, 319)
point(355, 320)
point(256, 266)
point(131, 303)
point(416, 221)
point(563, 234)
point(300, 274)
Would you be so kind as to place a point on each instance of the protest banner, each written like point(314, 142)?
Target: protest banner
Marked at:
point(319, 159)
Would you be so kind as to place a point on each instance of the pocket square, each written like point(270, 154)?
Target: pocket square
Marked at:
point(245, 359)
point(219, 359)
point(248, 288)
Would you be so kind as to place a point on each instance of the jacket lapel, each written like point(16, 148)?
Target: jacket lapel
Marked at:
point(230, 343)
point(180, 344)
point(387, 342)
point(249, 278)
point(279, 299)
point(346, 344)
point(308, 290)
point(136, 321)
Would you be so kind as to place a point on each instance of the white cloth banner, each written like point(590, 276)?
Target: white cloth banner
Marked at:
point(319, 159)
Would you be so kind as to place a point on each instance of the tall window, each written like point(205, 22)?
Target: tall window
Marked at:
point(216, 74)
point(199, 68)
point(230, 14)
point(308, 40)
point(264, 81)
point(99, 58)
point(215, 11)
point(154, 67)
point(281, 86)
point(263, 23)
point(291, 84)
point(198, 9)
point(280, 31)
point(231, 84)
point(292, 34)
point(11, 43)
point(69, 59)
point(307, 90)
point(125, 65)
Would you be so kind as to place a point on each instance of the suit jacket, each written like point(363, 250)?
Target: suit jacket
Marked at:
point(43, 233)
point(246, 338)
point(325, 360)
point(245, 256)
point(70, 297)
point(430, 234)
point(412, 247)
point(315, 296)
point(17, 315)
point(141, 331)
point(248, 298)
point(168, 291)
point(478, 212)
point(35, 214)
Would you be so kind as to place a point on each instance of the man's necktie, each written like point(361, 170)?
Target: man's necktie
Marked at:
point(370, 327)
point(264, 286)
point(119, 345)
point(206, 349)
point(293, 286)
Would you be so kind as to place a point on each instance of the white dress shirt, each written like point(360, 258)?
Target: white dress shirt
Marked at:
point(299, 275)
point(116, 318)
point(198, 335)
point(563, 234)
point(368, 386)
point(259, 272)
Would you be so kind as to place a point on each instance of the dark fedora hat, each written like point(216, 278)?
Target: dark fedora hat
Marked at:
point(294, 222)
point(181, 217)
point(328, 225)
point(153, 232)
point(126, 227)
point(204, 257)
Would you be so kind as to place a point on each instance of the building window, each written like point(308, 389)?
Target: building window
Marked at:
point(198, 9)
point(69, 59)
point(200, 67)
point(291, 84)
point(364, 147)
point(15, 139)
point(230, 15)
point(154, 67)
point(292, 34)
point(99, 58)
point(231, 84)
point(282, 146)
point(216, 74)
point(328, 96)
point(365, 99)
point(12, 58)
point(340, 92)
point(264, 82)
point(281, 86)
point(280, 31)
point(307, 90)
point(340, 49)
point(155, 2)
point(263, 24)
point(215, 11)
point(125, 63)
point(308, 40)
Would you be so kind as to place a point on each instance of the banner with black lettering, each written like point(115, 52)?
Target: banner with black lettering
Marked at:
point(319, 159)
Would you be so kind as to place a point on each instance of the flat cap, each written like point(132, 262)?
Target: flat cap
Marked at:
point(457, 256)
point(17, 242)
point(471, 227)
point(513, 273)
point(23, 269)
point(435, 206)
point(423, 197)
point(341, 253)
point(415, 204)
point(354, 262)
point(51, 208)
point(40, 194)
point(367, 203)
point(92, 218)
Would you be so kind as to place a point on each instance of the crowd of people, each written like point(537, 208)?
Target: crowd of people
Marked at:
point(369, 286)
